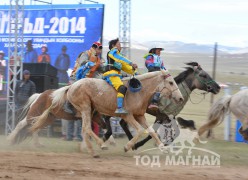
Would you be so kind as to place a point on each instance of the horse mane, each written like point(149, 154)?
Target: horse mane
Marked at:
point(182, 76)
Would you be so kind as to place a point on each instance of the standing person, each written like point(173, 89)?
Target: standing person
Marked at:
point(62, 63)
point(30, 55)
point(24, 89)
point(116, 63)
point(2, 69)
point(44, 57)
point(153, 62)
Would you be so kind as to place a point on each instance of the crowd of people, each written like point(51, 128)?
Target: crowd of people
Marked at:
point(62, 62)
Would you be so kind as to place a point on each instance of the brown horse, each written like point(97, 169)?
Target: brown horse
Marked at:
point(89, 94)
point(35, 107)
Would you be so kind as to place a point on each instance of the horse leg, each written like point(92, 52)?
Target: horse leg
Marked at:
point(97, 117)
point(88, 132)
point(125, 129)
point(130, 119)
point(108, 133)
point(86, 126)
point(99, 141)
point(156, 125)
point(144, 124)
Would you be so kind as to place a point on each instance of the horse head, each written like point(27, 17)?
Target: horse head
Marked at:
point(202, 80)
point(169, 88)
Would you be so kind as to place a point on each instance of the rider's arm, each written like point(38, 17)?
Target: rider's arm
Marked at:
point(150, 63)
point(115, 55)
point(162, 66)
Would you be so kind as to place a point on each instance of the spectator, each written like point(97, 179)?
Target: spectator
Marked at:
point(44, 57)
point(30, 55)
point(24, 89)
point(64, 128)
point(62, 63)
point(74, 129)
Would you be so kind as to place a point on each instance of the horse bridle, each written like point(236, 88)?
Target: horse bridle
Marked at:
point(164, 87)
point(203, 82)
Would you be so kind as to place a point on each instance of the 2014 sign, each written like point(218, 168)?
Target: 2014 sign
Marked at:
point(62, 25)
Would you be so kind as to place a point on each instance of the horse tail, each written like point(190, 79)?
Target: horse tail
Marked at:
point(59, 97)
point(216, 114)
point(41, 121)
point(21, 132)
point(28, 104)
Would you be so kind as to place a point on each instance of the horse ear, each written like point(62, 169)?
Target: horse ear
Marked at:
point(192, 64)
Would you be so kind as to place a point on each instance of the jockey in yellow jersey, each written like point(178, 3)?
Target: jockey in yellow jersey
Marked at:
point(116, 63)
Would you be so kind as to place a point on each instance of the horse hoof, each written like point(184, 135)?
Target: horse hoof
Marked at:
point(104, 148)
point(125, 149)
point(112, 143)
point(96, 156)
point(134, 148)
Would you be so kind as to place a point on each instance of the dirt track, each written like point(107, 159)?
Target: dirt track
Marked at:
point(33, 165)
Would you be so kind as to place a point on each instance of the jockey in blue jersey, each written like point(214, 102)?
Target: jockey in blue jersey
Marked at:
point(117, 63)
point(153, 62)
point(86, 65)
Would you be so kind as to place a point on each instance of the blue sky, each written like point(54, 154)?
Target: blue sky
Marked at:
point(196, 21)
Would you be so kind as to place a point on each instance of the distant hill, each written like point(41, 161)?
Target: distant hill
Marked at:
point(229, 60)
point(181, 47)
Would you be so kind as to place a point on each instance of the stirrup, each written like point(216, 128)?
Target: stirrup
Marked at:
point(121, 111)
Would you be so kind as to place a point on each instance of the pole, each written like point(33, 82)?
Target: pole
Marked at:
point(210, 132)
point(228, 118)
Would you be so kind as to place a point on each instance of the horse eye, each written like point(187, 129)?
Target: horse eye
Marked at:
point(171, 83)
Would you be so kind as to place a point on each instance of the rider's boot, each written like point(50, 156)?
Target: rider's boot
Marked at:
point(120, 110)
point(154, 101)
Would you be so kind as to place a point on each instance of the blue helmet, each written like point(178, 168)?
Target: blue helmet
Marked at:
point(134, 85)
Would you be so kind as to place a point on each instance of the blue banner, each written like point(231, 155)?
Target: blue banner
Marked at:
point(53, 29)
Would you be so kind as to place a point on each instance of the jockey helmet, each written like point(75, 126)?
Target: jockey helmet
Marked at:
point(155, 46)
point(134, 85)
point(97, 45)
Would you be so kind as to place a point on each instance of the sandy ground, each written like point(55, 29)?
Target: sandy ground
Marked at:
point(34, 165)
